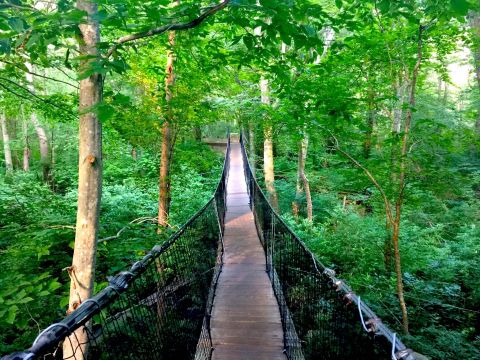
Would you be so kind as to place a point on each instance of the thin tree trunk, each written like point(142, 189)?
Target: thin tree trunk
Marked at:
point(41, 133)
point(445, 95)
point(402, 182)
point(303, 185)
point(12, 126)
point(53, 158)
point(400, 87)
point(164, 180)
point(26, 146)
point(367, 145)
point(251, 143)
point(82, 271)
point(6, 145)
point(475, 25)
point(439, 88)
point(167, 147)
point(197, 133)
point(268, 164)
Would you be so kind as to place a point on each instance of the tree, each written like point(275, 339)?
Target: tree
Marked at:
point(42, 135)
point(303, 185)
point(167, 145)
point(475, 25)
point(6, 144)
point(82, 271)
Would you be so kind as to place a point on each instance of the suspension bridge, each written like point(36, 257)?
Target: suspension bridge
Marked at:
point(234, 283)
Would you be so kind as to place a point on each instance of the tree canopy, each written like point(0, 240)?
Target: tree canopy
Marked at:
point(365, 113)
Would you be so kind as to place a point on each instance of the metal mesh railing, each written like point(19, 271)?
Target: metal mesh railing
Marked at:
point(322, 318)
point(159, 309)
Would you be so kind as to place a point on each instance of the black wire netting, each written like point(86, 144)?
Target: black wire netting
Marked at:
point(322, 318)
point(159, 309)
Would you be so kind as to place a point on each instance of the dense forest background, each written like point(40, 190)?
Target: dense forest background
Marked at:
point(362, 119)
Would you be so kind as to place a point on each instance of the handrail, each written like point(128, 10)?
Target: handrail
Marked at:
point(56, 333)
point(374, 322)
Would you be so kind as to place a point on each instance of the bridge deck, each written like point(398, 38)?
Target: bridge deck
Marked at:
point(245, 320)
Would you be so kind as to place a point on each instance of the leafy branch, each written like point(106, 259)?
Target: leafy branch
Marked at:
point(171, 27)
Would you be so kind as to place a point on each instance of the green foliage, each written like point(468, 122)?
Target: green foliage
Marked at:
point(36, 230)
point(335, 78)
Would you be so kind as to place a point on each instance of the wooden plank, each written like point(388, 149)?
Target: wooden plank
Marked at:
point(245, 319)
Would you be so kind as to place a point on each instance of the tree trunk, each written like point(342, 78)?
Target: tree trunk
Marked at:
point(439, 88)
point(303, 185)
point(402, 182)
point(82, 271)
point(475, 25)
point(167, 147)
point(445, 95)
point(251, 144)
point(197, 133)
point(6, 145)
point(164, 180)
point(26, 146)
point(399, 87)
point(41, 133)
point(268, 164)
point(367, 145)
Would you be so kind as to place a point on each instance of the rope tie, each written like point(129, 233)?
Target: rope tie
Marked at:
point(394, 341)
point(337, 284)
point(361, 314)
point(329, 272)
point(349, 297)
point(370, 325)
point(73, 279)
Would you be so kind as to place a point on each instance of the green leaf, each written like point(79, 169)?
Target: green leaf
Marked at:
point(338, 3)
point(54, 285)
point(248, 41)
point(5, 46)
point(460, 7)
point(11, 315)
point(25, 300)
point(16, 24)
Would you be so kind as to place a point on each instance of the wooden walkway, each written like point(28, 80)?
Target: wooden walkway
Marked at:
point(245, 321)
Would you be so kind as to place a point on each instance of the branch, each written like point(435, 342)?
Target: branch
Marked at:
point(32, 94)
point(388, 209)
point(38, 75)
point(135, 221)
point(372, 179)
point(57, 227)
point(160, 30)
point(8, 5)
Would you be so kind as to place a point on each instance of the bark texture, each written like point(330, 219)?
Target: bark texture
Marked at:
point(303, 185)
point(400, 88)
point(402, 182)
point(82, 271)
point(26, 147)
point(268, 162)
point(6, 145)
point(165, 160)
point(251, 144)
